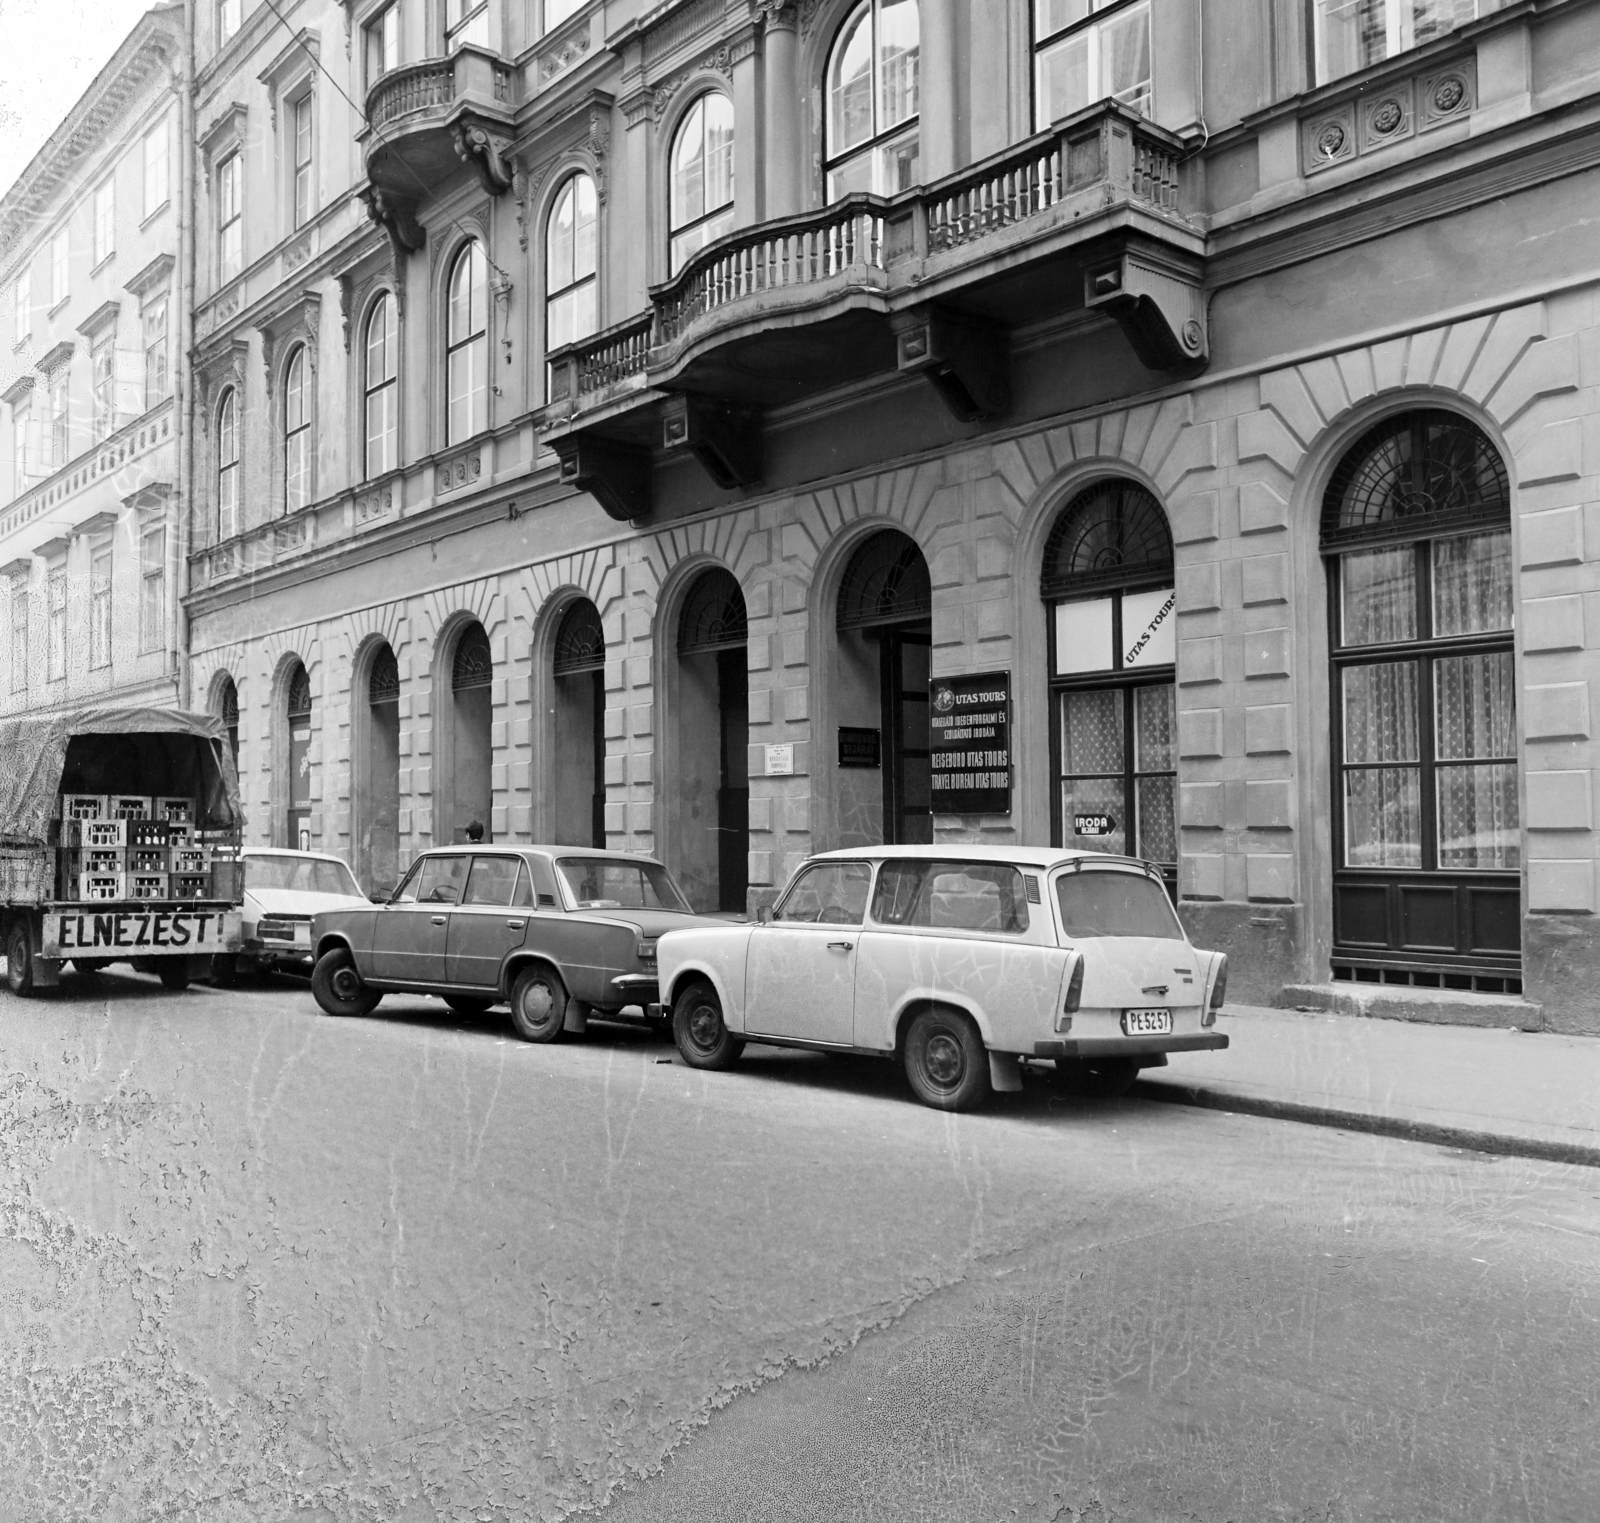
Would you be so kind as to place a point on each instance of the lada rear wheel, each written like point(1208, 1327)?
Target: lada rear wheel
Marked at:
point(1096, 1078)
point(338, 987)
point(946, 1061)
point(538, 1005)
point(19, 959)
point(699, 1030)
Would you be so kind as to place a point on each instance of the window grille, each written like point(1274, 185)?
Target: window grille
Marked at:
point(580, 641)
point(474, 666)
point(886, 582)
point(713, 615)
point(1112, 535)
point(383, 682)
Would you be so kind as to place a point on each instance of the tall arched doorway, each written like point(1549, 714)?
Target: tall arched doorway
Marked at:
point(1108, 585)
point(378, 847)
point(1416, 532)
point(577, 784)
point(713, 792)
point(297, 827)
point(885, 636)
point(471, 749)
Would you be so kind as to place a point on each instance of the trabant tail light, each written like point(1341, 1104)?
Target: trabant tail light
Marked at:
point(1074, 997)
point(1219, 991)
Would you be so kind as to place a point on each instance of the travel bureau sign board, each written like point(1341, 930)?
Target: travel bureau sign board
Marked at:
point(969, 748)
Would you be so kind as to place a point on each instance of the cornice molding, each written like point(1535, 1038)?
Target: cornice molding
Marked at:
point(300, 56)
point(18, 389)
point(155, 274)
point(47, 364)
point(226, 128)
point(103, 317)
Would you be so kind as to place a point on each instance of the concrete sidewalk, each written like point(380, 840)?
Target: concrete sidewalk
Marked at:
point(1500, 1091)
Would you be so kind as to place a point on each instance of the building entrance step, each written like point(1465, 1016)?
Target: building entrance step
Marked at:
point(1395, 1002)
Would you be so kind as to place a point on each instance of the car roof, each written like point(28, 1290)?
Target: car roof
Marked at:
point(522, 848)
point(290, 851)
point(1021, 856)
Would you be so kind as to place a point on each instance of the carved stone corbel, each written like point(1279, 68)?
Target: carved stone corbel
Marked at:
point(616, 475)
point(485, 151)
point(724, 437)
point(397, 219)
point(1158, 304)
point(966, 361)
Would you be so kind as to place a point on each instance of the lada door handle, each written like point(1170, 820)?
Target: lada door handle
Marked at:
point(840, 946)
point(516, 925)
point(440, 919)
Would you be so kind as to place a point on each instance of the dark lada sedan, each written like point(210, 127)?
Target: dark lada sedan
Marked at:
point(561, 932)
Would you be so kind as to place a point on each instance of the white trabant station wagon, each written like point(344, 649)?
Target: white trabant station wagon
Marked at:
point(961, 960)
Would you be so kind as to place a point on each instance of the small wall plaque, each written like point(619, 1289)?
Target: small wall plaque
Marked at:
point(780, 760)
point(860, 747)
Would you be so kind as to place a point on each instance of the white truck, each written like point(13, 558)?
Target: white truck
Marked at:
point(119, 842)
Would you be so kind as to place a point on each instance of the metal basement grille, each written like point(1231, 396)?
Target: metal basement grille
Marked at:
point(1428, 978)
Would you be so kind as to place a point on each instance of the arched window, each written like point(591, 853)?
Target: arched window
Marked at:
point(297, 710)
point(228, 712)
point(1416, 526)
point(580, 641)
point(578, 786)
point(467, 346)
point(1108, 582)
point(570, 261)
point(886, 582)
point(872, 85)
point(296, 433)
point(228, 465)
point(701, 193)
point(473, 665)
point(381, 388)
point(383, 681)
point(469, 797)
point(713, 615)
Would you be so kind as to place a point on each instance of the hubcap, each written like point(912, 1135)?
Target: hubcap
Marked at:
point(536, 1004)
point(704, 1024)
point(346, 983)
point(943, 1059)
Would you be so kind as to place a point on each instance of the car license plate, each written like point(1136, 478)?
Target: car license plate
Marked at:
point(1147, 1022)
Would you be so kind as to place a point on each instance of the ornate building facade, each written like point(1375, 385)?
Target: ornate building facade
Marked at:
point(645, 424)
point(92, 247)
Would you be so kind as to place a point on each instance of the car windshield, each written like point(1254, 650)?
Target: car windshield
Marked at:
point(602, 883)
point(1105, 902)
point(306, 875)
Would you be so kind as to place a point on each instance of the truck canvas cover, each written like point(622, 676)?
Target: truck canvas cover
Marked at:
point(126, 750)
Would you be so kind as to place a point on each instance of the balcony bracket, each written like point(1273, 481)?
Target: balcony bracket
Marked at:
point(395, 217)
point(966, 361)
point(616, 475)
point(486, 152)
point(724, 437)
point(1157, 303)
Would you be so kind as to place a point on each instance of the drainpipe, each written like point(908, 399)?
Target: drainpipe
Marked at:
point(180, 518)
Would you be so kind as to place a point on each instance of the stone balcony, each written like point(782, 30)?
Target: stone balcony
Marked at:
point(1090, 214)
point(424, 121)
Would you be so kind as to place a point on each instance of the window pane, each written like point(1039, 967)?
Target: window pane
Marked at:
point(1383, 817)
point(1155, 728)
point(719, 151)
point(1125, 58)
point(1474, 707)
point(850, 85)
point(1062, 83)
point(1472, 583)
point(493, 880)
point(832, 895)
point(1049, 16)
point(441, 880)
point(1478, 822)
point(1091, 732)
point(1158, 818)
point(605, 883)
point(1379, 590)
point(956, 896)
point(1104, 799)
point(1380, 712)
point(1107, 902)
point(898, 62)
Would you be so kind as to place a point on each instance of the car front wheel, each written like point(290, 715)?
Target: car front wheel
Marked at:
point(946, 1061)
point(538, 1005)
point(699, 1030)
point(338, 987)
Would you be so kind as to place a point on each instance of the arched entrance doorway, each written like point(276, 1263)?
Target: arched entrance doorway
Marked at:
point(378, 848)
point(1108, 585)
point(885, 636)
point(578, 734)
point(471, 750)
point(1416, 532)
point(297, 826)
point(713, 700)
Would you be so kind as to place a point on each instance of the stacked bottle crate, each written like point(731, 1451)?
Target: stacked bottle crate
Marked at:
point(125, 846)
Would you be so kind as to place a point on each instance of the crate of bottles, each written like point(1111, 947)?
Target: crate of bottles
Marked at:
point(147, 885)
point(189, 859)
point(128, 806)
point(175, 811)
point(190, 886)
point(84, 806)
point(93, 886)
point(149, 859)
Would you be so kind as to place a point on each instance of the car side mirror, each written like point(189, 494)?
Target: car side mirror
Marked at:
point(763, 914)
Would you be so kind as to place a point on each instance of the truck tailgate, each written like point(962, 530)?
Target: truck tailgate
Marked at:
point(140, 930)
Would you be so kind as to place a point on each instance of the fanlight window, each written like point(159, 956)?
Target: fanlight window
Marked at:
point(382, 390)
point(580, 641)
point(228, 465)
point(383, 681)
point(473, 666)
point(886, 582)
point(1114, 534)
point(702, 177)
point(296, 434)
point(230, 704)
point(300, 694)
point(467, 346)
point(713, 615)
point(873, 90)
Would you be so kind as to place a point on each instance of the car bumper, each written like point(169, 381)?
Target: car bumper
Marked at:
point(1128, 1046)
point(636, 989)
point(277, 954)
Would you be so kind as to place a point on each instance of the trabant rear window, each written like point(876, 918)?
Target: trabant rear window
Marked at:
point(951, 896)
point(1100, 901)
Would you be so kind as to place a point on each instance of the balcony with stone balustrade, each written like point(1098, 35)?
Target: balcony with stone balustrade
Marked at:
point(1092, 214)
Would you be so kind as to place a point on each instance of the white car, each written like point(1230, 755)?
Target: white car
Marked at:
point(960, 960)
point(282, 891)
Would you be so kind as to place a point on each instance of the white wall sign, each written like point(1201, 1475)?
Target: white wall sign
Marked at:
point(780, 760)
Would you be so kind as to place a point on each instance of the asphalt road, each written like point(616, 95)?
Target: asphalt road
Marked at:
point(261, 1265)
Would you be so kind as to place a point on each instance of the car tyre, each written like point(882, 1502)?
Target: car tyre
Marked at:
point(538, 1004)
point(1096, 1078)
point(701, 1034)
point(174, 973)
point(338, 987)
point(19, 960)
point(225, 969)
point(946, 1062)
point(467, 1004)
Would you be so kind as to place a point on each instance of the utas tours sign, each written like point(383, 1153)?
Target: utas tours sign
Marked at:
point(969, 747)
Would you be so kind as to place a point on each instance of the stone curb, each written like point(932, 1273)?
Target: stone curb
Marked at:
point(1381, 1126)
